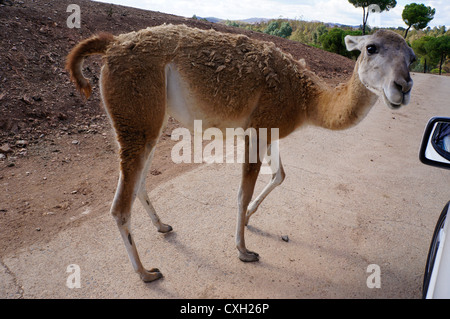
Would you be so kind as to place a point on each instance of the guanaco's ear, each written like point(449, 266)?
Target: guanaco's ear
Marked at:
point(354, 42)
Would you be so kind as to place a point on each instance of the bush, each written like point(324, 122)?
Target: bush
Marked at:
point(283, 30)
point(333, 41)
point(436, 71)
point(232, 24)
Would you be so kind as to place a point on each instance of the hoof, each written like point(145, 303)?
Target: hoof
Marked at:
point(151, 275)
point(249, 256)
point(165, 228)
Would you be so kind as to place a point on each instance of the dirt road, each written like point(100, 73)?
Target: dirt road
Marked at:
point(351, 199)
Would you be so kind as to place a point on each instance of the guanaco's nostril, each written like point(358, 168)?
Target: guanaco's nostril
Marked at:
point(403, 86)
point(398, 86)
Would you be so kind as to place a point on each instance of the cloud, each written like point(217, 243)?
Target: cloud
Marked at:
point(442, 15)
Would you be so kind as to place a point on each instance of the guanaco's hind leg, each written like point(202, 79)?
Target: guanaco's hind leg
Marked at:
point(145, 200)
point(130, 181)
point(250, 173)
point(136, 106)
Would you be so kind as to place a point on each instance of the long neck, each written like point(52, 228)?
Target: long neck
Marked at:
point(344, 106)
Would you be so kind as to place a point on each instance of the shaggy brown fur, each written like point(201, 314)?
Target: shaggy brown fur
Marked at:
point(231, 80)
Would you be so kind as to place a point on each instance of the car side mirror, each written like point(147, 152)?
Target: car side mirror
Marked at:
point(435, 149)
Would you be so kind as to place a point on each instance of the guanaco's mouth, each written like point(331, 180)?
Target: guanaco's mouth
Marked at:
point(392, 105)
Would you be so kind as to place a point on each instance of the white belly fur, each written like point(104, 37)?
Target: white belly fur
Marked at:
point(185, 107)
point(180, 102)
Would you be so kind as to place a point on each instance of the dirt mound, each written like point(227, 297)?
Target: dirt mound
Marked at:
point(49, 135)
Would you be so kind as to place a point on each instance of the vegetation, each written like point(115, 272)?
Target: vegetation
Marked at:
point(417, 16)
point(431, 45)
point(425, 59)
point(333, 41)
point(282, 29)
point(439, 49)
point(197, 18)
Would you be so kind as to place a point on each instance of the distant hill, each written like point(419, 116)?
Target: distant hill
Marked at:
point(250, 20)
point(339, 25)
point(262, 20)
point(212, 19)
point(255, 20)
point(219, 20)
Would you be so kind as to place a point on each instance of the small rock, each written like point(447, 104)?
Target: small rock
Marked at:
point(75, 142)
point(38, 229)
point(74, 192)
point(21, 143)
point(285, 238)
point(2, 156)
point(5, 148)
point(26, 99)
point(155, 172)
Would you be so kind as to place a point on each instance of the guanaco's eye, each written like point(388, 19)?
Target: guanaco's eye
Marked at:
point(372, 49)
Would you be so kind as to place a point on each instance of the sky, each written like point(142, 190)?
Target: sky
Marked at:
point(337, 11)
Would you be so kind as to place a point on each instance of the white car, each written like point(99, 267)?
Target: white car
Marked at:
point(435, 151)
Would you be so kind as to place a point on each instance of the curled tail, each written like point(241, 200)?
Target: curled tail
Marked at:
point(94, 45)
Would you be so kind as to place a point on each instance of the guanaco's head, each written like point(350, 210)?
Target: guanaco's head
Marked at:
point(384, 65)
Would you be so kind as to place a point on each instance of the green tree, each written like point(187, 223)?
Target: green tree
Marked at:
point(420, 48)
point(417, 16)
point(439, 48)
point(285, 30)
point(334, 41)
point(272, 27)
point(232, 24)
point(321, 30)
point(368, 5)
point(282, 29)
